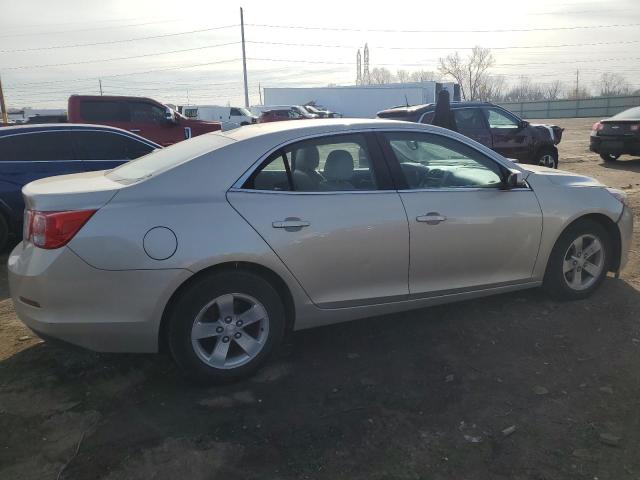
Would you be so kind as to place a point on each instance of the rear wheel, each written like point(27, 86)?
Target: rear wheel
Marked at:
point(548, 158)
point(609, 157)
point(579, 261)
point(225, 326)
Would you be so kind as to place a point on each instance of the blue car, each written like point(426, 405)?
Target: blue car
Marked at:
point(30, 152)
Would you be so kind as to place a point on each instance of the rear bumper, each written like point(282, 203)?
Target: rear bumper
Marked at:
point(59, 295)
point(625, 224)
point(616, 145)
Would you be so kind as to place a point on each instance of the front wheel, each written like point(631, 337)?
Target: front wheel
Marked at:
point(225, 326)
point(548, 158)
point(579, 261)
point(609, 157)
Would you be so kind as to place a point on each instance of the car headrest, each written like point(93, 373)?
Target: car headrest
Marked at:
point(339, 166)
point(307, 159)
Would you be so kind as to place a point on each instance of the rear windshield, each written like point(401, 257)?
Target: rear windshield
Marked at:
point(631, 114)
point(165, 159)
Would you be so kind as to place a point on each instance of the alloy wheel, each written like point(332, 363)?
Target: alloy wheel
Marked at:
point(583, 262)
point(230, 331)
point(547, 160)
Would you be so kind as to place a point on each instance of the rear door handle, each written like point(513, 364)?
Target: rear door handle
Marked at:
point(431, 218)
point(291, 224)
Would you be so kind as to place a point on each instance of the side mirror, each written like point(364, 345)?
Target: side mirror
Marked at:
point(523, 124)
point(513, 179)
point(170, 116)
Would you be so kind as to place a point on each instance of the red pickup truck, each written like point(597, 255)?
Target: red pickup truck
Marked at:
point(143, 116)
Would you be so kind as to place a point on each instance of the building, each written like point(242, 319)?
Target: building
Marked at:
point(361, 101)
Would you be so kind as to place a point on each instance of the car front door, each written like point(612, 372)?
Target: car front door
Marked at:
point(103, 150)
point(509, 138)
point(340, 229)
point(149, 121)
point(466, 231)
point(471, 123)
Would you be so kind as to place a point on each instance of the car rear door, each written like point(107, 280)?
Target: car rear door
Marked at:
point(466, 232)
point(104, 149)
point(510, 139)
point(340, 229)
point(30, 156)
point(471, 123)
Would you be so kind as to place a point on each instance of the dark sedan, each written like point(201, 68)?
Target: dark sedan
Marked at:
point(618, 135)
point(31, 152)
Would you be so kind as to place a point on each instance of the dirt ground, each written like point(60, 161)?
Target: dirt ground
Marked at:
point(509, 387)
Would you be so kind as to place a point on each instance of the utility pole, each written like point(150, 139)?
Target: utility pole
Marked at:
point(260, 92)
point(577, 83)
point(244, 61)
point(100, 83)
point(3, 107)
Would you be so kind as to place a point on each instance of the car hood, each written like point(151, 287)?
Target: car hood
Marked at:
point(560, 177)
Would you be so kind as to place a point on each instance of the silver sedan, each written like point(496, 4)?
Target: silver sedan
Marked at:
point(215, 247)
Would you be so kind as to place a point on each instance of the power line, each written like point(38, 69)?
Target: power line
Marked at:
point(111, 42)
point(385, 30)
point(28, 34)
point(101, 60)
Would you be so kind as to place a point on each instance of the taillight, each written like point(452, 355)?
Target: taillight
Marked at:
point(597, 127)
point(53, 229)
point(635, 127)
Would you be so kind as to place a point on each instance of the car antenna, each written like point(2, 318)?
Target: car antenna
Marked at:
point(406, 100)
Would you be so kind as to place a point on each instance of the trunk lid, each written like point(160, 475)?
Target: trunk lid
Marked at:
point(617, 127)
point(78, 191)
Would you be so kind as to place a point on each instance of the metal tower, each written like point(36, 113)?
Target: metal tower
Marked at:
point(366, 78)
point(359, 68)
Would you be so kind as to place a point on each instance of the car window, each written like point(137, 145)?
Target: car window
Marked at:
point(145, 112)
point(37, 146)
point(335, 163)
point(631, 114)
point(433, 161)
point(191, 112)
point(428, 117)
point(108, 146)
point(498, 119)
point(469, 119)
point(236, 112)
point(104, 111)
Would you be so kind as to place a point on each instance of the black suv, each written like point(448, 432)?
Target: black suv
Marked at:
point(494, 127)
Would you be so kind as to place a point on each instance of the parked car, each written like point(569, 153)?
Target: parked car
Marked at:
point(321, 112)
point(278, 115)
point(618, 135)
point(297, 109)
point(218, 246)
point(144, 116)
point(494, 127)
point(237, 116)
point(31, 152)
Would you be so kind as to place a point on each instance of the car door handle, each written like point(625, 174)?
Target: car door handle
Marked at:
point(135, 130)
point(291, 223)
point(431, 218)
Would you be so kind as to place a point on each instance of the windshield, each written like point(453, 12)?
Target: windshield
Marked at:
point(245, 112)
point(165, 159)
point(631, 114)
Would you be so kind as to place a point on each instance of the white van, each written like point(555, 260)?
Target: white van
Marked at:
point(230, 117)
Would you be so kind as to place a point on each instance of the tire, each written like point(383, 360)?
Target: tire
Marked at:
point(4, 233)
point(560, 277)
point(548, 157)
point(212, 307)
point(609, 157)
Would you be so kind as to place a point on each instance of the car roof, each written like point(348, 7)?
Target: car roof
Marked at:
point(43, 127)
point(430, 106)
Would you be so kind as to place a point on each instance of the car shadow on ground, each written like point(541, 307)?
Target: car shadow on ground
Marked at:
point(630, 164)
point(427, 392)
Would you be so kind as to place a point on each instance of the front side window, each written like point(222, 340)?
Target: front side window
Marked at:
point(144, 112)
point(469, 119)
point(108, 146)
point(498, 119)
point(37, 146)
point(336, 163)
point(430, 161)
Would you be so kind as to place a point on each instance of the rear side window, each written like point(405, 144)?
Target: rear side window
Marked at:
point(37, 146)
point(104, 111)
point(108, 146)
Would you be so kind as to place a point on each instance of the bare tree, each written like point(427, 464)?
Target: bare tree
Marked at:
point(470, 73)
point(493, 90)
point(613, 85)
point(425, 76)
point(403, 76)
point(553, 90)
point(578, 94)
point(381, 76)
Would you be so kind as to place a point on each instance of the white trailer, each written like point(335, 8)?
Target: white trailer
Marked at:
point(360, 101)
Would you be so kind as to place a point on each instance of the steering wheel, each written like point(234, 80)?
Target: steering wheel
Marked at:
point(435, 178)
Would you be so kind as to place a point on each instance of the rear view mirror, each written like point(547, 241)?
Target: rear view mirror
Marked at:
point(513, 179)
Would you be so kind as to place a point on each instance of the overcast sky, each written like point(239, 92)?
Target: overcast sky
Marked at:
point(195, 56)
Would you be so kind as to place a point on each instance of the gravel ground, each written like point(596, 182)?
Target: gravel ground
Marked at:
point(515, 386)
